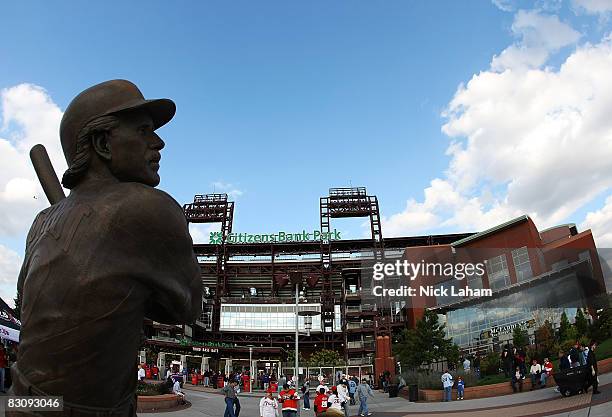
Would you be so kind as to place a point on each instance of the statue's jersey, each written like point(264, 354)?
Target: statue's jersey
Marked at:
point(95, 264)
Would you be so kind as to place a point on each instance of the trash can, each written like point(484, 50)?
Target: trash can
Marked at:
point(413, 393)
point(393, 390)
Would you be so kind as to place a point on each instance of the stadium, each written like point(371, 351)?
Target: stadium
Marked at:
point(253, 284)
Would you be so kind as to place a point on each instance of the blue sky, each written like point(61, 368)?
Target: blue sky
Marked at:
point(281, 99)
point(278, 101)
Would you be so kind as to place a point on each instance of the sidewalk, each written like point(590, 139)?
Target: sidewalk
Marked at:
point(538, 403)
point(512, 400)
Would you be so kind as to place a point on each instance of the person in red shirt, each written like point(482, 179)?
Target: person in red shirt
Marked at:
point(547, 370)
point(320, 402)
point(289, 399)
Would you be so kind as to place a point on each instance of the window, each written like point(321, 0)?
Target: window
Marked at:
point(474, 280)
point(585, 255)
point(265, 317)
point(497, 271)
point(557, 266)
point(337, 318)
point(522, 265)
point(445, 297)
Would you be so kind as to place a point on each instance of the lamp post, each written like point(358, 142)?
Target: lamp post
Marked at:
point(251, 368)
point(296, 279)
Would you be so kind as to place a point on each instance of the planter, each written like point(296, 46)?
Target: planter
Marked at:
point(157, 402)
point(483, 391)
point(494, 390)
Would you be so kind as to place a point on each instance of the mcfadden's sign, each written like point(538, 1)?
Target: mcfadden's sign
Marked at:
point(216, 238)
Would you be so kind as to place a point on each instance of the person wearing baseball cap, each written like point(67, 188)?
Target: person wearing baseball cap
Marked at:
point(334, 403)
point(101, 118)
point(100, 260)
point(268, 405)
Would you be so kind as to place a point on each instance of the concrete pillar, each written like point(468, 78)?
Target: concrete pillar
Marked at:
point(228, 366)
point(183, 362)
point(161, 364)
point(142, 357)
point(205, 365)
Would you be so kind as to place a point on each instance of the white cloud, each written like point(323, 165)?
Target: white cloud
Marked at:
point(534, 142)
point(200, 232)
point(600, 222)
point(10, 263)
point(539, 36)
point(230, 189)
point(504, 5)
point(29, 116)
point(594, 6)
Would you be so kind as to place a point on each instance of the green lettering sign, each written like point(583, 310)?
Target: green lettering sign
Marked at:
point(216, 238)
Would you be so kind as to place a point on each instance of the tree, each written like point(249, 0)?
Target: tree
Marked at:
point(17, 309)
point(520, 337)
point(325, 357)
point(545, 338)
point(452, 356)
point(490, 364)
point(291, 357)
point(564, 327)
point(582, 325)
point(601, 329)
point(425, 343)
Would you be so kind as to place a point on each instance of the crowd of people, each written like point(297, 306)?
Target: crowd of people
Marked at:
point(514, 364)
point(334, 401)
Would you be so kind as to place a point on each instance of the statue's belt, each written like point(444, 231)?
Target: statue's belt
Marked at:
point(22, 387)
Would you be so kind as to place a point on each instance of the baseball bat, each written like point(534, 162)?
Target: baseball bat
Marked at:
point(46, 174)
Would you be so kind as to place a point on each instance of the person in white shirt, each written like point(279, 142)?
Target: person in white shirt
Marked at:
point(176, 389)
point(333, 401)
point(466, 365)
point(344, 398)
point(535, 372)
point(268, 406)
point(141, 373)
point(447, 383)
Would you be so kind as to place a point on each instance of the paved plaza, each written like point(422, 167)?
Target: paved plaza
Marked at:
point(545, 402)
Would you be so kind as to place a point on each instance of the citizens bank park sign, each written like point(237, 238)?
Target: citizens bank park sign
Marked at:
point(216, 238)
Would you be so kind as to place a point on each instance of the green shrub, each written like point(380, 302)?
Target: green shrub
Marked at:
point(489, 365)
point(144, 389)
point(431, 380)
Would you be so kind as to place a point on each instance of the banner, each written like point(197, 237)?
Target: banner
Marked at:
point(9, 325)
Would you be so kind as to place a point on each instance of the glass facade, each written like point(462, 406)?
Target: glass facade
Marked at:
point(266, 317)
point(472, 326)
point(492, 321)
point(474, 281)
point(522, 265)
point(498, 273)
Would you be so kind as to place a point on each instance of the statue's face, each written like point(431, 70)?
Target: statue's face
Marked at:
point(135, 149)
